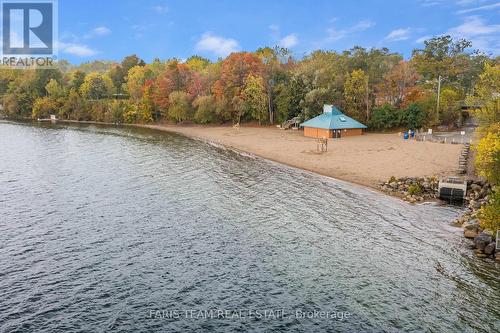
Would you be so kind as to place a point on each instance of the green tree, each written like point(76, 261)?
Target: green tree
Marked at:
point(54, 89)
point(414, 116)
point(385, 117)
point(441, 56)
point(205, 109)
point(74, 107)
point(449, 105)
point(179, 109)
point(96, 86)
point(486, 99)
point(77, 79)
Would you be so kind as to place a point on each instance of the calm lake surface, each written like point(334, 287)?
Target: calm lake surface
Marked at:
point(108, 229)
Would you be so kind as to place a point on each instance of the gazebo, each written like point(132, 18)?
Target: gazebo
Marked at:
point(332, 124)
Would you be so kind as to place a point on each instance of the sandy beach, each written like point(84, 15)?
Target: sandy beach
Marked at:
point(367, 160)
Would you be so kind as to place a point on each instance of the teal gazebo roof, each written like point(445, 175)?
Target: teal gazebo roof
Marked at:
point(332, 118)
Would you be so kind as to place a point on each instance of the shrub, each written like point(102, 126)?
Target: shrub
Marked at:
point(43, 107)
point(489, 215)
point(488, 155)
point(385, 117)
point(414, 116)
point(130, 115)
point(415, 189)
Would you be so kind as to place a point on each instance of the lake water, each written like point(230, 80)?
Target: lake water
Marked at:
point(108, 229)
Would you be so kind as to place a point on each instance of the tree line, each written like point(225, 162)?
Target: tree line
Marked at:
point(268, 86)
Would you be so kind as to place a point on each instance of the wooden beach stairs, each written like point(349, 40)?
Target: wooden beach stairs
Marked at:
point(294, 122)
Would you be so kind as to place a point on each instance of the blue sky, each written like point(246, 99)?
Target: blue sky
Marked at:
point(112, 29)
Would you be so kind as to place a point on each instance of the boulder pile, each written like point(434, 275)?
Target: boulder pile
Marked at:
point(412, 189)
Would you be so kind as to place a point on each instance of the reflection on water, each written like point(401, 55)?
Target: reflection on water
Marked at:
point(100, 227)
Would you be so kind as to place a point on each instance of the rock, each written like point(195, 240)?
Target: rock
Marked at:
point(471, 228)
point(490, 248)
point(482, 240)
point(480, 254)
point(475, 187)
point(471, 225)
point(470, 233)
point(488, 232)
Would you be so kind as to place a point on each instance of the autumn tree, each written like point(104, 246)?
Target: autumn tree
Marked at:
point(43, 107)
point(397, 84)
point(54, 89)
point(440, 56)
point(355, 90)
point(175, 78)
point(135, 80)
point(179, 106)
point(254, 98)
point(205, 109)
point(449, 105)
point(96, 86)
point(486, 99)
point(235, 69)
point(197, 63)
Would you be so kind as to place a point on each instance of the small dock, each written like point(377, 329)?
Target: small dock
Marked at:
point(52, 119)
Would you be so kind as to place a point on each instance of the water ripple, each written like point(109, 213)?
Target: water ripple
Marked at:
point(100, 225)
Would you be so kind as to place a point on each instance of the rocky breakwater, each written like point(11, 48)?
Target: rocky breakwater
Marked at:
point(412, 189)
point(478, 193)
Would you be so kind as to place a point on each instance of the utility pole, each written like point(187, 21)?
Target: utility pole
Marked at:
point(438, 96)
point(367, 101)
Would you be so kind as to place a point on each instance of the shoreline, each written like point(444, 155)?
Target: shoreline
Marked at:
point(172, 129)
point(291, 151)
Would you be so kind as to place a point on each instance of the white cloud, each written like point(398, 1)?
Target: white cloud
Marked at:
point(398, 34)
point(475, 9)
point(430, 3)
point(98, 32)
point(335, 35)
point(76, 49)
point(485, 37)
point(217, 45)
point(474, 26)
point(423, 39)
point(289, 41)
point(468, 2)
point(160, 9)
point(275, 31)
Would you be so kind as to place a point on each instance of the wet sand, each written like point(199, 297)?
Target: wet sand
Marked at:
point(367, 160)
